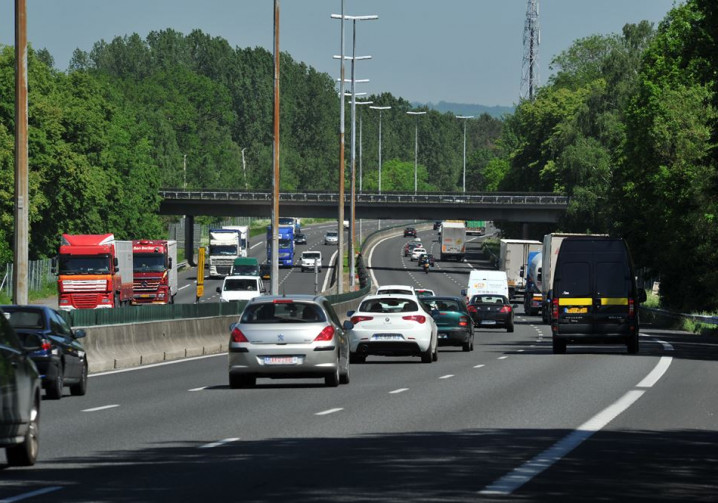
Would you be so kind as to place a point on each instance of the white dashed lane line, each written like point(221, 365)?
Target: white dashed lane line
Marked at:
point(104, 407)
point(400, 390)
point(502, 357)
point(479, 366)
point(447, 376)
point(198, 389)
point(219, 443)
point(330, 411)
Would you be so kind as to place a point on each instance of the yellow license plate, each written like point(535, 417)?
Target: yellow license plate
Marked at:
point(577, 310)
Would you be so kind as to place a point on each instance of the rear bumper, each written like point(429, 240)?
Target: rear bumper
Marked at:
point(453, 336)
point(389, 348)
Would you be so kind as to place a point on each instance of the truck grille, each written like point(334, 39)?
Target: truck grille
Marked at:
point(85, 300)
point(146, 285)
point(224, 270)
point(84, 285)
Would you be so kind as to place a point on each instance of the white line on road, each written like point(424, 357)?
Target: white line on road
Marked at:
point(330, 411)
point(219, 443)
point(104, 407)
point(183, 287)
point(261, 242)
point(656, 373)
point(198, 389)
point(153, 365)
point(502, 357)
point(31, 494)
point(400, 390)
point(447, 376)
point(479, 366)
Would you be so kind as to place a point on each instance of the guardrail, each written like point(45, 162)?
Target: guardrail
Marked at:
point(708, 320)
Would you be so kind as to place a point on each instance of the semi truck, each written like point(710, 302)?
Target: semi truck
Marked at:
point(93, 271)
point(243, 231)
point(533, 277)
point(513, 257)
point(155, 271)
point(224, 247)
point(453, 240)
point(286, 245)
point(476, 227)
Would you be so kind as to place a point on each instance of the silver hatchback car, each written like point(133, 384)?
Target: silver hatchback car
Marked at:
point(287, 337)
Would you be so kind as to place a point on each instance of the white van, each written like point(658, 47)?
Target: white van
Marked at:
point(486, 282)
point(310, 259)
point(240, 288)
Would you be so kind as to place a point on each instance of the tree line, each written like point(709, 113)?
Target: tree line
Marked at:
point(626, 127)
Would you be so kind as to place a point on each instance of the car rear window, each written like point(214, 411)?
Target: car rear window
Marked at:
point(389, 305)
point(282, 312)
point(24, 319)
point(488, 299)
point(443, 305)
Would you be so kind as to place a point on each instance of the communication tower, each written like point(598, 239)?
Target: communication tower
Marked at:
point(532, 40)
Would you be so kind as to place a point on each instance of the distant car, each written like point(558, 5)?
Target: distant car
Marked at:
point(392, 325)
point(410, 232)
point(417, 252)
point(60, 357)
point(491, 311)
point(427, 257)
point(293, 336)
point(20, 389)
point(346, 224)
point(240, 288)
point(424, 292)
point(409, 247)
point(453, 321)
point(331, 238)
point(265, 271)
point(300, 239)
point(437, 225)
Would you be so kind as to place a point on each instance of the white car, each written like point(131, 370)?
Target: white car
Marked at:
point(346, 224)
point(395, 289)
point(331, 238)
point(417, 252)
point(392, 325)
point(240, 288)
point(310, 259)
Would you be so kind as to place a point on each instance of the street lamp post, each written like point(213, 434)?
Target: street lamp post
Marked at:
point(416, 149)
point(184, 170)
point(380, 111)
point(464, 117)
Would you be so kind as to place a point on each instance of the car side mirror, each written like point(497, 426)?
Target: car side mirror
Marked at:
point(463, 292)
point(347, 325)
point(231, 326)
point(219, 289)
point(170, 262)
point(350, 314)
point(53, 265)
point(79, 333)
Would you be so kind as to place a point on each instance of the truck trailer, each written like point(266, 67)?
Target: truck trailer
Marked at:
point(93, 271)
point(453, 240)
point(155, 271)
point(513, 258)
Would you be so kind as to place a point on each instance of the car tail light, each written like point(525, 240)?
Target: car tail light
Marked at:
point(505, 309)
point(325, 335)
point(463, 321)
point(282, 301)
point(46, 346)
point(415, 317)
point(357, 319)
point(238, 336)
point(472, 308)
point(631, 308)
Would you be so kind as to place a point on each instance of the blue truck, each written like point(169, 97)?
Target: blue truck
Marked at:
point(286, 245)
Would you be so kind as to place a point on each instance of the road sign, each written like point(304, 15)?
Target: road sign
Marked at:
point(200, 273)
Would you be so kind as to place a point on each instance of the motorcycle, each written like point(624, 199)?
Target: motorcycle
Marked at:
point(425, 265)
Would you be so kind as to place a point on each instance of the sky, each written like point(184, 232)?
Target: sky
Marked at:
point(460, 51)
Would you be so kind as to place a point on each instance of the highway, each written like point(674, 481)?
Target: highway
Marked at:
point(508, 421)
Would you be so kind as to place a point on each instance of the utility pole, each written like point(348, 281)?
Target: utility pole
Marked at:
point(532, 39)
point(275, 195)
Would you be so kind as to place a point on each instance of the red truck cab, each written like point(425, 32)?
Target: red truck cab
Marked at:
point(154, 264)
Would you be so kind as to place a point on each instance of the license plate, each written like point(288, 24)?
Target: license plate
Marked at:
point(488, 322)
point(281, 360)
point(576, 310)
point(443, 336)
point(387, 337)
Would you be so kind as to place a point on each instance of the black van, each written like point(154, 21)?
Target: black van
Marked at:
point(595, 296)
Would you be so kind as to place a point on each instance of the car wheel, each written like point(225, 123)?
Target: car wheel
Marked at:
point(241, 381)
point(632, 345)
point(510, 328)
point(55, 387)
point(332, 380)
point(559, 346)
point(435, 355)
point(80, 388)
point(468, 345)
point(355, 358)
point(427, 356)
point(25, 454)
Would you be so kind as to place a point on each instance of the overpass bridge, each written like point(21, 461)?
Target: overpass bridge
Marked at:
point(522, 208)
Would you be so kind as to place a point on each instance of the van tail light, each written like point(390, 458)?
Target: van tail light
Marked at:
point(631, 307)
point(327, 334)
point(415, 317)
point(505, 309)
point(238, 336)
point(463, 321)
point(554, 309)
point(357, 319)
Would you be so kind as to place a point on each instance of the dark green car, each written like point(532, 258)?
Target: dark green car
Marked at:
point(453, 321)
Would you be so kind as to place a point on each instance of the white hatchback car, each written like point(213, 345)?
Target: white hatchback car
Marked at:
point(395, 289)
point(392, 325)
point(331, 238)
point(417, 252)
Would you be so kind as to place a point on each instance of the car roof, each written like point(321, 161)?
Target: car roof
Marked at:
point(408, 287)
point(293, 297)
point(390, 295)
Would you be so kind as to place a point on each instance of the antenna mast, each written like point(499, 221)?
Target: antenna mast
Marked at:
point(532, 40)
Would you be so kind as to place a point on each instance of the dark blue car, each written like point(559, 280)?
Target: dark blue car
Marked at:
point(60, 358)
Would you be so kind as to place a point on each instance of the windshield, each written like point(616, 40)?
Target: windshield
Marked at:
point(238, 285)
point(311, 255)
point(148, 262)
point(283, 312)
point(285, 243)
point(332, 234)
point(229, 250)
point(245, 270)
point(79, 264)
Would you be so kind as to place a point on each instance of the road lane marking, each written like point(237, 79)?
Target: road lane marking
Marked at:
point(502, 357)
point(400, 390)
point(183, 287)
point(447, 376)
point(256, 244)
point(219, 443)
point(198, 389)
point(330, 411)
point(161, 364)
point(479, 366)
point(31, 494)
point(104, 407)
point(512, 481)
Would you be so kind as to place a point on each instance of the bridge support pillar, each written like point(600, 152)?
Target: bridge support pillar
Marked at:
point(189, 240)
point(525, 230)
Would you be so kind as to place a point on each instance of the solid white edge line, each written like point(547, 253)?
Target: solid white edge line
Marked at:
point(524, 473)
point(219, 443)
point(329, 411)
point(104, 407)
point(657, 372)
point(400, 390)
point(153, 365)
point(31, 494)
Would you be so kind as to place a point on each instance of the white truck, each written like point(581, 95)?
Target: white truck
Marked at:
point(453, 240)
point(224, 247)
point(243, 231)
point(513, 258)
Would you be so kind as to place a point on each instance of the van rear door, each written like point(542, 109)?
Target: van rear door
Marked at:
point(574, 295)
point(613, 288)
